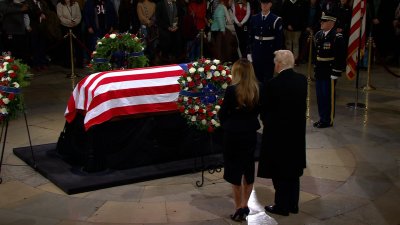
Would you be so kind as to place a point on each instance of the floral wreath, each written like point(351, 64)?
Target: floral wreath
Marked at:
point(202, 91)
point(118, 51)
point(12, 78)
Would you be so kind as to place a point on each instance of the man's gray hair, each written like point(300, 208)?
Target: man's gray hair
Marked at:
point(284, 58)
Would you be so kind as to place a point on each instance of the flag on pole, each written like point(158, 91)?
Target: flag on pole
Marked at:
point(358, 21)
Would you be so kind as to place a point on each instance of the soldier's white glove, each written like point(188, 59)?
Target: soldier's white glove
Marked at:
point(334, 77)
point(249, 57)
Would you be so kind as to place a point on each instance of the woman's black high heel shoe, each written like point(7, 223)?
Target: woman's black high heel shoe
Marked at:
point(238, 216)
point(245, 213)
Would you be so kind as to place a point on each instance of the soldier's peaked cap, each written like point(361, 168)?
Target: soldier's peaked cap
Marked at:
point(328, 16)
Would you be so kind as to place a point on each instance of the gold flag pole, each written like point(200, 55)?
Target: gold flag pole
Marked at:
point(369, 87)
point(309, 70)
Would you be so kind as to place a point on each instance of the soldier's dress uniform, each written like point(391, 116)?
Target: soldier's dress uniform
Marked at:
point(330, 61)
point(265, 37)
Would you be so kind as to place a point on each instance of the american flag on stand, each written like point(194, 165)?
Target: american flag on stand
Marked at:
point(106, 95)
point(358, 21)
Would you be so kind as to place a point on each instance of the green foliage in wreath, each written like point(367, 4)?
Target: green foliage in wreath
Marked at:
point(202, 92)
point(118, 51)
point(12, 78)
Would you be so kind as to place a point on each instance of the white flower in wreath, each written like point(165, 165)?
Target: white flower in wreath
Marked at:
point(186, 88)
point(4, 79)
point(217, 107)
point(196, 107)
point(213, 67)
point(223, 72)
point(185, 99)
point(189, 79)
point(207, 61)
point(214, 112)
point(213, 121)
point(112, 36)
point(186, 111)
point(201, 69)
point(203, 121)
point(4, 111)
point(224, 86)
point(192, 70)
point(1, 95)
point(136, 38)
point(94, 53)
point(209, 75)
point(193, 119)
point(217, 73)
point(200, 85)
point(15, 84)
point(6, 100)
point(5, 65)
point(216, 61)
point(3, 69)
point(195, 63)
point(7, 57)
point(217, 124)
point(99, 43)
point(11, 71)
point(230, 76)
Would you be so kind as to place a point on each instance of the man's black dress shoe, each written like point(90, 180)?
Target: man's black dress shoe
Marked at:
point(275, 210)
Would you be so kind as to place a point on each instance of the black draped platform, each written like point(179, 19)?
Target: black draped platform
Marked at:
point(133, 142)
point(124, 151)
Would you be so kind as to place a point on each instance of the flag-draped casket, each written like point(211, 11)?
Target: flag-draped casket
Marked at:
point(151, 131)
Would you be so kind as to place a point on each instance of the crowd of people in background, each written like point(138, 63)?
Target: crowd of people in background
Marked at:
point(36, 30)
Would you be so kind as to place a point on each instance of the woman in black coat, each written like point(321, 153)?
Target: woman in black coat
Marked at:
point(239, 119)
point(283, 153)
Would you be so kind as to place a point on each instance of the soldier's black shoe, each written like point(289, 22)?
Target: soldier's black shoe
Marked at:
point(323, 125)
point(316, 123)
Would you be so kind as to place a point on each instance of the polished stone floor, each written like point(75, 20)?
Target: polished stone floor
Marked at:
point(352, 175)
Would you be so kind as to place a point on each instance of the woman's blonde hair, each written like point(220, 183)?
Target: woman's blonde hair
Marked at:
point(247, 87)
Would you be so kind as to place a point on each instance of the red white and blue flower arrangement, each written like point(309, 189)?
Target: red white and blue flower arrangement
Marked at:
point(12, 77)
point(202, 92)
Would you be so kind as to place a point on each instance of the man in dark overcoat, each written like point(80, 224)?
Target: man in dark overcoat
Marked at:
point(283, 152)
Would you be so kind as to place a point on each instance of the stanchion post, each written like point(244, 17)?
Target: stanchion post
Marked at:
point(369, 87)
point(201, 43)
point(309, 71)
point(72, 59)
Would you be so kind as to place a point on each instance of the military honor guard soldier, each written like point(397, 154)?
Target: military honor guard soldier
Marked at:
point(329, 63)
point(265, 37)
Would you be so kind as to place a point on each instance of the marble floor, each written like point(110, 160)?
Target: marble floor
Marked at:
point(352, 175)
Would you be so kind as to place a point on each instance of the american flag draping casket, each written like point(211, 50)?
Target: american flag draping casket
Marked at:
point(106, 95)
